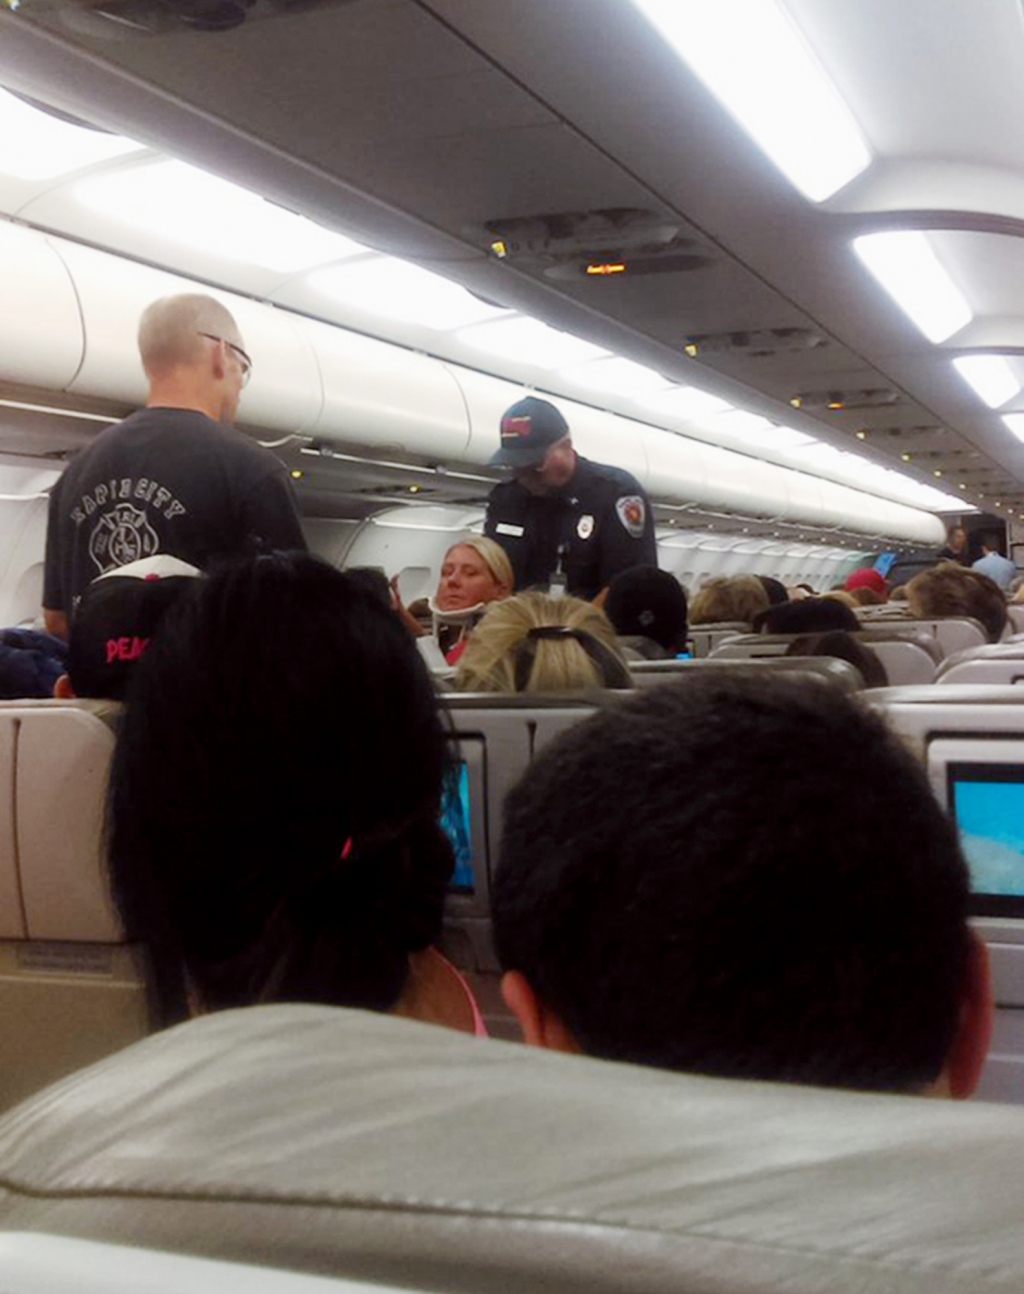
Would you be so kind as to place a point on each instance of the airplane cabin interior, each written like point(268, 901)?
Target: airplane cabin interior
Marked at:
point(765, 255)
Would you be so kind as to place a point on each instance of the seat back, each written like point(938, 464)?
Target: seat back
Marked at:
point(654, 673)
point(986, 723)
point(71, 989)
point(351, 1144)
point(494, 737)
point(909, 655)
point(1001, 663)
point(705, 638)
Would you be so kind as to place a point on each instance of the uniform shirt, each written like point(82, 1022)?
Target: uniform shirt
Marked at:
point(164, 481)
point(997, 568)
point(602, 515)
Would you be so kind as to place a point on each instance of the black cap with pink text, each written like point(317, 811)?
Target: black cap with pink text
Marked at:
point(528, 430)
point(115, 619)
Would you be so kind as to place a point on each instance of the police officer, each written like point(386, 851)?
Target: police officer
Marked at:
point(562, 520)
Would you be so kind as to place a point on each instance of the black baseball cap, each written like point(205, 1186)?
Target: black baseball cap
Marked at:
point(528, 430)
point(115, 620)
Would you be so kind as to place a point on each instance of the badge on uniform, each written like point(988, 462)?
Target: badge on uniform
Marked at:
point(631, 512)
point(585, 526)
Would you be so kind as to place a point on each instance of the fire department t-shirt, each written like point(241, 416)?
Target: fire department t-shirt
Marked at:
point(164, 481)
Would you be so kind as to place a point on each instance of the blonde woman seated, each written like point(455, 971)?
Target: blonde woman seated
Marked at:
point(533, 643)
point(475, 572)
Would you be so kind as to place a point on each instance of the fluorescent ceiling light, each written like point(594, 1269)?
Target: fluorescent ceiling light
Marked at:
point(905, 264)
point(754, 59)
point(185, 205)
point(36, 146)
point(685, 402)
point(616, 375)
point(528, 341)
point(396, 289)
point(991, 377)
point(1015, 423)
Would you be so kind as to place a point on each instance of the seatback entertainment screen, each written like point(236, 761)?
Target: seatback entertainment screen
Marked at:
point(987, 801)
point(456, 819)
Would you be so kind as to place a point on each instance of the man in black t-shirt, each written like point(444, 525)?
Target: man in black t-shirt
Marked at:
point(562, 513)
point(171, 478)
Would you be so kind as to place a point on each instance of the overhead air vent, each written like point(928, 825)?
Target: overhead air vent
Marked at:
point(597, 244)
point(757, 344)
point(836, 400)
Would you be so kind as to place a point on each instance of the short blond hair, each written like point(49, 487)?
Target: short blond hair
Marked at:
point(737, 597)
point(498, 648)
point(170, 330)
point(493, 556)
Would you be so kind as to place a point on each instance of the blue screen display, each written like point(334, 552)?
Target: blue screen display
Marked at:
point(990, 815)
point(456, 820)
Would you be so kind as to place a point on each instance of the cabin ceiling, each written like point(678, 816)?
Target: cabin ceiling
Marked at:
point(414, 125)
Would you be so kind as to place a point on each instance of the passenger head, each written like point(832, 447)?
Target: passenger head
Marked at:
point(867, 578)
point(866, 597)
point(31, 664)
point(193, 355)
point(274, 799)
point(775, 589)
point(649, 603)
point(536, 444)
point(951, 590)
point(956, 539)
point(474, 570)
point(740, 598)
point(533, 643)
point(808, 616)
point(843, 646)
point(114, 622)
point(682, 884)
point(989, 542)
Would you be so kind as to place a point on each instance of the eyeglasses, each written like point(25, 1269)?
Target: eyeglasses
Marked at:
point(243, 358)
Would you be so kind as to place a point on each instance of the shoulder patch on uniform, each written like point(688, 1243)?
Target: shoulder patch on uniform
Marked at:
point(632, 512)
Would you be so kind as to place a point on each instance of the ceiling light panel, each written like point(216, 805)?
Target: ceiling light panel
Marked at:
point(755, 60)
point(1015, 423)
point(684, 402)
point(396, 289)
point(528, 341)
point(905, 264)
point(36, 146)
point(615, 376)
point(990, 376)
point(188, 206)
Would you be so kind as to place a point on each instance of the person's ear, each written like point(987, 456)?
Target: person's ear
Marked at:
point(540, 1026)
point(967, 1055)
point(62, 689)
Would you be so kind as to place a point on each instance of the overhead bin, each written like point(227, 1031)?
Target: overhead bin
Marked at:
point(41, 334)
point(70, 319)
point(486, 399)
point(285, 392)
point(380, 396)
point(677, 468)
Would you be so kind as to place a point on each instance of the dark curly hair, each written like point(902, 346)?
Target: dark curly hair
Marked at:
point(274, 798)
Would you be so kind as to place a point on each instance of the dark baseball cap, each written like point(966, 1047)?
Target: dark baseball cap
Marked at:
point(115, 620)
point(528, 430)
